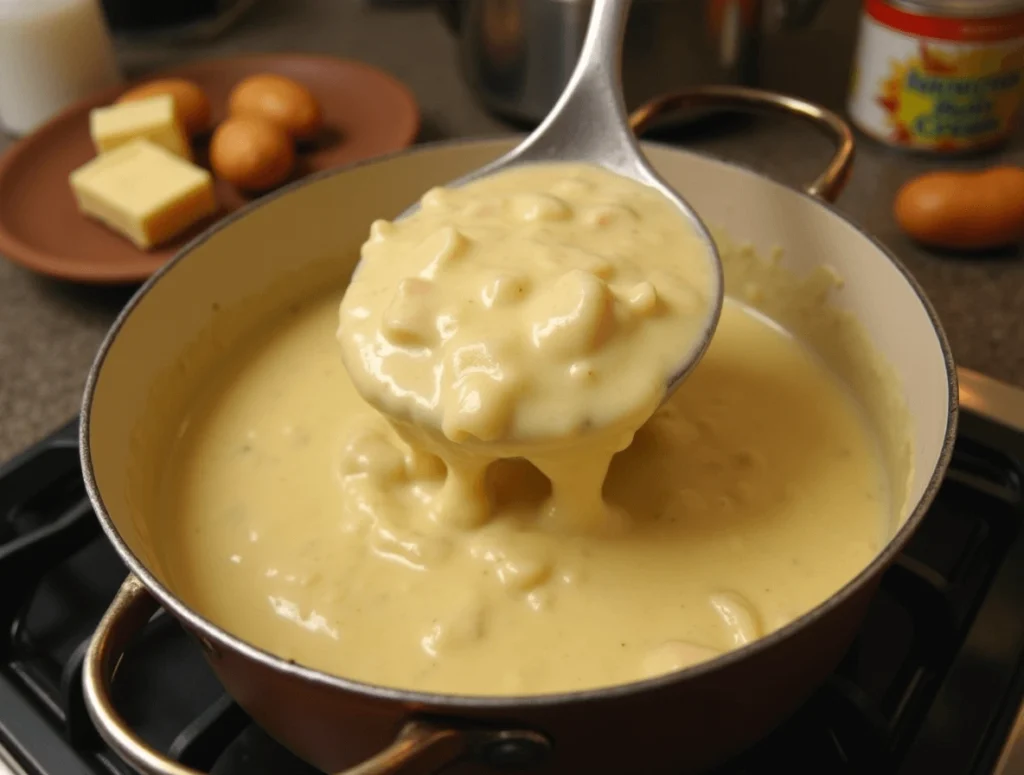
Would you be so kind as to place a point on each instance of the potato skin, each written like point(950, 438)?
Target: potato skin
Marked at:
point(252, 153)
point(276, 98)
point(964, 210)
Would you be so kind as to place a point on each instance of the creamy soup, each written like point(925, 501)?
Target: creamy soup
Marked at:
point(297, 520)
point(452, 542)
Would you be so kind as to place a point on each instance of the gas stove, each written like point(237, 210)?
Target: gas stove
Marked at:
point(933, 684)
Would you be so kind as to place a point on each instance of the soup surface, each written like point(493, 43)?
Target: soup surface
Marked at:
point(298, 520)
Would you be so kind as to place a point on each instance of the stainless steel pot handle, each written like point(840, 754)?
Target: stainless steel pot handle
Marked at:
point(828, 185)
point(132, 609)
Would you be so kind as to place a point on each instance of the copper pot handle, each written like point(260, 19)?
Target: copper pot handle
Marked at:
point(828, 185)
point(132, 609)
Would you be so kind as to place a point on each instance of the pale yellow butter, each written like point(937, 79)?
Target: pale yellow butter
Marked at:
point(144, 192)
point(153, 119)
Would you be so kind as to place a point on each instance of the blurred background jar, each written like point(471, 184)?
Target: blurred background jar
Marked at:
point(517, 55)
point(940, 76)
point(52, 53)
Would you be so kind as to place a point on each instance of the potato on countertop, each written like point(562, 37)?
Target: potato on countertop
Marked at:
point(976, 210)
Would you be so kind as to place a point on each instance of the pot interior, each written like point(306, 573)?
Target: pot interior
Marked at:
point(306, 239)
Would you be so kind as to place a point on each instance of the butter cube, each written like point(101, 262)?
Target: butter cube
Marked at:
point(144, 192)
point(153, 119)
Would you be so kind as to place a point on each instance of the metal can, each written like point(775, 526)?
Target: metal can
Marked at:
point(939, 75)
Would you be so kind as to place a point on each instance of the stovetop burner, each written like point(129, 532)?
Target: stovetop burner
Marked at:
point(932, 685)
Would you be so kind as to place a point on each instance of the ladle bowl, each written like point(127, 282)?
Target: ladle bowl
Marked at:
point(589, 125)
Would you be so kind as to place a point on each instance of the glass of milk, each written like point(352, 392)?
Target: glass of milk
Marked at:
point(52, 53)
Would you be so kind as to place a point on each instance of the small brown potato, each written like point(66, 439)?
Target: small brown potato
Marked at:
point(251, 153)
point(964, 210)
point(190, 102)
point(287, 103)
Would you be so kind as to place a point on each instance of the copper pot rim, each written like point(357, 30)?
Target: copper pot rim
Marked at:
point(222, 639)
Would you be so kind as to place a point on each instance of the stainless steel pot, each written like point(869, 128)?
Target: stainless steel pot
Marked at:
point(306, 238)
point(517, 55)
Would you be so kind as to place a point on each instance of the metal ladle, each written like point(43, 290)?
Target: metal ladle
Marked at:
point(589, 124)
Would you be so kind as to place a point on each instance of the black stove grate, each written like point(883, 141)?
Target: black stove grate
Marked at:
point(931, 684)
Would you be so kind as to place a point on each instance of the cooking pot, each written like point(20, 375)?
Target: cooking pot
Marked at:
point(306, 238)
point(517, 55)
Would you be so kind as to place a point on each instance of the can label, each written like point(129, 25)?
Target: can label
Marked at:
point(937, 83)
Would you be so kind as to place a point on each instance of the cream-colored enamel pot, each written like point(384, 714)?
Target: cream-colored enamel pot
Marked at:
point(307, 237)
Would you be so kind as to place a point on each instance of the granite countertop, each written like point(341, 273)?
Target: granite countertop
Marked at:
point(50, 330)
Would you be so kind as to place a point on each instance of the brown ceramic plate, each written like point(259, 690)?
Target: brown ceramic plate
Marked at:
point(366, 112)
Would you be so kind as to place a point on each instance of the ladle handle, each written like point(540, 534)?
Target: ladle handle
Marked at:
point(589, 120)
point(416, 741)
point(827, 186)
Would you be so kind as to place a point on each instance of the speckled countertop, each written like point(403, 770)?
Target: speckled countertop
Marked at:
point(50, 330)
